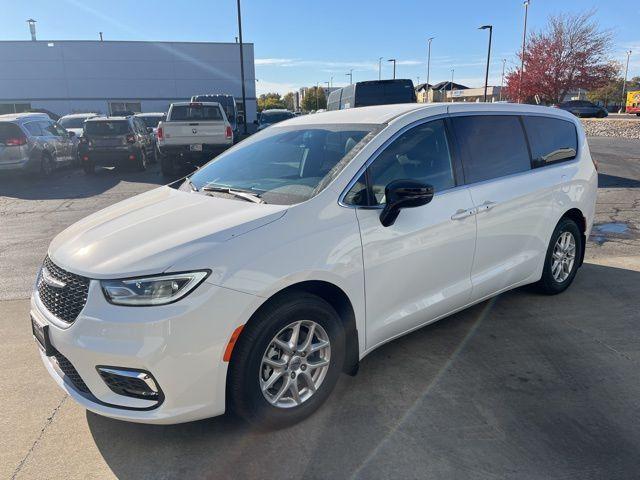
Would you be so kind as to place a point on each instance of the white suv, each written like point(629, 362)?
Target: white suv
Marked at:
point(257, 280)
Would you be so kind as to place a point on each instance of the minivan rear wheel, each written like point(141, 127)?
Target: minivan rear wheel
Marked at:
point(563, 257)
point(287, 361)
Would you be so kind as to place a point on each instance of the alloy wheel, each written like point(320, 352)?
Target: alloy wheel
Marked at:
point(295, 364)
point(564, 256)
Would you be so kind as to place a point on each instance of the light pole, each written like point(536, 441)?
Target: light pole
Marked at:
point(451, 85)
point(524, 42)
point(504, 62)
point(623, 105)
point(379, 68)
point(486, 75)
point(244, 94)
point(32, 28)
point(428, 65)
point(350, 75)
point(100, 33)
point(394, 66)
point(317, 94)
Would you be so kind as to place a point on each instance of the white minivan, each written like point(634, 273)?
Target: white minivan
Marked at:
point(254, 282)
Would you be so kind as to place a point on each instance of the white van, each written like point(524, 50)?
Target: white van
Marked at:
point(257, 280)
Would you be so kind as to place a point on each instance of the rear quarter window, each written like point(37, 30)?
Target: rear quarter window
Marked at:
point(552, 140)
point(107, 128)
point(493, 146)
point(181, 113)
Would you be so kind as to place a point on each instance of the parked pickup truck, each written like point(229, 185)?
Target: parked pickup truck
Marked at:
point(192, 134)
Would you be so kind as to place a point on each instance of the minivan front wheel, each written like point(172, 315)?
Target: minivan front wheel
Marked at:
point(287, 361)
point(563, 257)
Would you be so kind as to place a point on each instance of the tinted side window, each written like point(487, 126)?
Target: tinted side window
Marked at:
point(551, 140)
point(494, 146)
point(421, 153)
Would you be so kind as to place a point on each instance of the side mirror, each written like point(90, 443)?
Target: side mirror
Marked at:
point(255, 122)
point(403, 194)
point(71, 134)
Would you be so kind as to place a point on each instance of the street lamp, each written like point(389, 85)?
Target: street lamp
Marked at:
point(504, 62)
point(244, 94)
point(394, 66)
point(486, 75)
point(350, 75)
point(451, 85)
point(524, 41)
point(623, 105)
point(379, 68)
point(32, 28)
point(428, 65)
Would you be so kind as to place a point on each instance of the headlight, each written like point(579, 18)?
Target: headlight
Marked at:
point(156, 290)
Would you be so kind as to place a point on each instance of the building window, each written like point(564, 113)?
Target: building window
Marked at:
point(115, 107)
point(14, 108)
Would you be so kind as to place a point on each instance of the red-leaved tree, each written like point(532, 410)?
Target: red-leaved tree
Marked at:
point(570, 53)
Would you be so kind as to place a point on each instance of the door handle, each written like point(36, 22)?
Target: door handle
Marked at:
point(486, 206)
point(462, 213)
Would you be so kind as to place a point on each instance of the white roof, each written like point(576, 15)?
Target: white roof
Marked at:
point(7, 117)
point(386, 113)
point(80, 115)
point(150, 114)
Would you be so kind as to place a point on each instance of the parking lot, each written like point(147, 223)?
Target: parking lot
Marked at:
point(521, 386)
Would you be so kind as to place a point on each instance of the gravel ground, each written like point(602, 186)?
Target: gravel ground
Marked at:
point(608, 127)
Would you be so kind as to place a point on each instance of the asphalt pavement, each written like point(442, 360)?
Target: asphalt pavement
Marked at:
point(522, 386)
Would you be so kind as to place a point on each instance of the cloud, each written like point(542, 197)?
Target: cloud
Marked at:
point(264, 86)
point(328, 65)
point(273, 61)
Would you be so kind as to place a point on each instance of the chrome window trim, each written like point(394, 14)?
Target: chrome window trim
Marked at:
point(377, 153)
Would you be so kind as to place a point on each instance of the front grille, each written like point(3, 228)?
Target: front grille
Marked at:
point(71, 373)
point(64, 302)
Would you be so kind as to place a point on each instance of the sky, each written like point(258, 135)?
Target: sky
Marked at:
point(301, 43)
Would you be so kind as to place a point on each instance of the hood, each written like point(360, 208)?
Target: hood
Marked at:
point(150, 233)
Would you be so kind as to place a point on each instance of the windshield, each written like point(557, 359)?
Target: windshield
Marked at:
point(285, 165)
point(274, 117)
point(107, 128)
point(195, 112)
point(72, 122)
point(152, 122)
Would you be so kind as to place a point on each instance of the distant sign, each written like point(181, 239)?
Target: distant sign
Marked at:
point(457, 93)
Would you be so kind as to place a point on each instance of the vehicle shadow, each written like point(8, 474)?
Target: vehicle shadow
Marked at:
point(520, 386)
point(612, 181)
point(73, 183)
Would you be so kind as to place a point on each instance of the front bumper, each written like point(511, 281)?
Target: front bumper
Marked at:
point(180, 344)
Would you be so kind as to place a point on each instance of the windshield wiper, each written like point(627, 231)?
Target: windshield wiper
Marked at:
point(193, 187)
point(244, 194)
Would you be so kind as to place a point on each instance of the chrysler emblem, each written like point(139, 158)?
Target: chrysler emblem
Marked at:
point(194, 131)
point(51, 280)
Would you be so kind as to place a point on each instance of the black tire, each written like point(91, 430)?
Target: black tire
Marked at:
point(166, 166)
point(46, 165)
point(89, 167)
point(244, 394)
point(601, 114)
point(548, 284)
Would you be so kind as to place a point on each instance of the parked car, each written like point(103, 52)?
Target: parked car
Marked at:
point(33, 142)
point(74, 122)
point(372, 92)
point(254, 282)
point(583, 108)
point(269, 117)
point(192, 134)
point(117, 142)
point(228, 103)
point(151, 120)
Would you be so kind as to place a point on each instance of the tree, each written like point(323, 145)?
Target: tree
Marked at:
point(611, 93)
point(309, 101)
point(288, 101)
point(267, 101)
point(570, 53)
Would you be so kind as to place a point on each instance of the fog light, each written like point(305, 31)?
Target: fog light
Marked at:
point(131, 383)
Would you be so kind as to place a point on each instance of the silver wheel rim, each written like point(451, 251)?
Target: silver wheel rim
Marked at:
point(564, 256)
point(295, 364)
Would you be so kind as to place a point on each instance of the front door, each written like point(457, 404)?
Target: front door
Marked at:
point(417, 269)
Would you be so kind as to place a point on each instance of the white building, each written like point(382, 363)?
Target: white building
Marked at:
point(94, 76)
